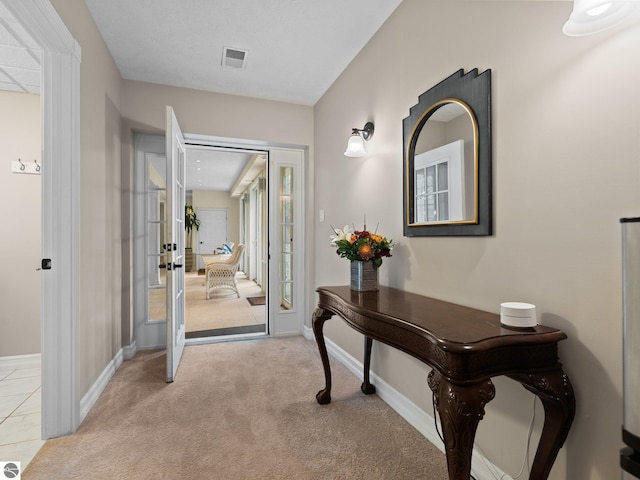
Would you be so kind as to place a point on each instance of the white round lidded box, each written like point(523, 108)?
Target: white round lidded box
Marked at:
point(518, 315)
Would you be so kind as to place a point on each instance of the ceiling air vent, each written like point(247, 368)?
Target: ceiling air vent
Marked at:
point(234, 57)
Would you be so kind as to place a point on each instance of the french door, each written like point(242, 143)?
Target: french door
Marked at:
point(174, 246)
point(160, 289)
point(286, 242)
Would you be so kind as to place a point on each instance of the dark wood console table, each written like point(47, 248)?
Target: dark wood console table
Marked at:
point(465, 348)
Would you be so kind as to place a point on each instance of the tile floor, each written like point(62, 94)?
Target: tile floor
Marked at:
point(20, 407)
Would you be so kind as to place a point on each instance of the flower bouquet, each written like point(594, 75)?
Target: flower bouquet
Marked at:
point(361, 245)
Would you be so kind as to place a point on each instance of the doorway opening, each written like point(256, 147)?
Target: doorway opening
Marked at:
point(226, 188)
point(226, 284)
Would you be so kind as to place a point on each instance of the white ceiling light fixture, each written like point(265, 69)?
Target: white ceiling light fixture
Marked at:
point(355, 147)
point(594, 16)
point(234, 57)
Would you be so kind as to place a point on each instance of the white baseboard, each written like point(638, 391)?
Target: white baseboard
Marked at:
point(307, 332)
point(482, 468)
point(15, 362)
point(90, 398)
point(129, 351)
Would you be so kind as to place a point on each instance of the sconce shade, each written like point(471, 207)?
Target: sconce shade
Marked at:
point(355, 147)
point(594, 16)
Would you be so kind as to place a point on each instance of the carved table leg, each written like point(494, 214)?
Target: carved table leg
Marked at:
point(366, 387)
point(319, 317)
point(460, 408)
point(556, 393)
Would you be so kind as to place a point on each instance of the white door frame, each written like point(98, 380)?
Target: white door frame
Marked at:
point(148, 333)
point(60, 97)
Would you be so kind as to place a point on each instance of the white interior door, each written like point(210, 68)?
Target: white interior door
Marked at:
point(212, 232)
point(286, 242)
point(175, 237)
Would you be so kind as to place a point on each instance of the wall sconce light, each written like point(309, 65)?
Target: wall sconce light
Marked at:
point(594, 16)
point(355, 147)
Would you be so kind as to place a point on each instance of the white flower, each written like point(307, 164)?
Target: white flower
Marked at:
point(340, 235)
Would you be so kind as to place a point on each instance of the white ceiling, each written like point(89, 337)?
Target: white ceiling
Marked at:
point(222, 170)
point(19, 56)
point(296, 50)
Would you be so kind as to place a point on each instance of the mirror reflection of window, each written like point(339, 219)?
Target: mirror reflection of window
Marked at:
point(444, 167)
point(439, 181)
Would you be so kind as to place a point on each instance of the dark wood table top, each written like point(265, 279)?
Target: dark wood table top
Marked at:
point(452, 327)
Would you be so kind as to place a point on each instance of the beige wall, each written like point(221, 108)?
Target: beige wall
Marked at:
point(566, 154)
point(100, 217)
point(20, 210)
point(208, 113)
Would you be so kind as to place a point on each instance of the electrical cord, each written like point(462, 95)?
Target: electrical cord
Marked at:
point(525, 460)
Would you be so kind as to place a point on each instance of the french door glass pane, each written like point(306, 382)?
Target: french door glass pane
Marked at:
point(155, 198)
point(286, 245)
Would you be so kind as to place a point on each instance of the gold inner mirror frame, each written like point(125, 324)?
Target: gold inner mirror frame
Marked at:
point(445, 139)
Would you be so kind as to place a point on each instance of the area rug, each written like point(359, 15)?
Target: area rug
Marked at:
point(257, 301)
point(215, 332)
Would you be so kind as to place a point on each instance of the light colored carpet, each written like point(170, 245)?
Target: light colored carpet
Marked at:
point(241, 410)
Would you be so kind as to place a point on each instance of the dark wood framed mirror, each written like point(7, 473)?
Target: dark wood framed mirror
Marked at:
point(447, 158)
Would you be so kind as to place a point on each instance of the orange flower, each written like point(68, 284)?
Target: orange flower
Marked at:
point(352, 239)
point(365, 251)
